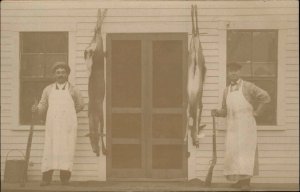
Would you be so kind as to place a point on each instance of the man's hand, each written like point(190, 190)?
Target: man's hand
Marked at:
point(214, 112)
point(34, 108)
point(196, 143)
point(255, 114)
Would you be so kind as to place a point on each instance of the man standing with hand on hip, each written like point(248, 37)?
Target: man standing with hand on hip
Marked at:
point(61, 101)
point(241, 158)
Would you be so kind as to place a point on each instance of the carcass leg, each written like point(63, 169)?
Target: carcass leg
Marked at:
point(187, 124)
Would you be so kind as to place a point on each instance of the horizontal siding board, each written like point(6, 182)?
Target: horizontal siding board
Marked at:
point(292, 119)
point(262, 168)
point(293, 33)
point(89, 33)
point(291, 87)
point(92, 159)
point(293, 67)
point(262, 154)
point(153, 5)
point(292, 54)
point(149, 12)
point(273, 174)
point(174, 26)
point(290, 100)
point(261, 147)
point(22, 146)
point(262, 161)
point(258, 180)
point(38, 153)
point(292, 61)
point(292, 46)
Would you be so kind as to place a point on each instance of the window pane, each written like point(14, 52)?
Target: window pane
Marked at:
point(38, 52)
point(264, 69)
point(30, 91)
point(167, 73)
point(55, 42)
point(261, 67)
point(269, 115)
point(32, 65)
point(32, 42)
point(239, 46)
point(264, 46)
point(44, 42)
point(167, 126)
point(161, 155)
point(126, 73)
point(126, 156)
point(40, 65)
point(126, 125)
point(246, 69)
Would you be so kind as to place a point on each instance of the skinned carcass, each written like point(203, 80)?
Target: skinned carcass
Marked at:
point(195, 81)
point(94, 59)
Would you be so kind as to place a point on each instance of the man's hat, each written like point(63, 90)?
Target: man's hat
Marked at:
point(234, 66)
point(61, 64)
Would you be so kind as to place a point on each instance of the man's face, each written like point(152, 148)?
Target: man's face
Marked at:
point(234, 75)
point(61, 75)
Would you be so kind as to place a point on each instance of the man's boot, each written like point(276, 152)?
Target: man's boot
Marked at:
point(65, 177)
point(46, 178)
point(245, 184)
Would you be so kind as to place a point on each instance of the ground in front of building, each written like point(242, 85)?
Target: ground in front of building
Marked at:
point(142, 186)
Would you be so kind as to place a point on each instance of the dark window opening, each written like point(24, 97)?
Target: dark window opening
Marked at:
point(38, 52)
point(256, 51)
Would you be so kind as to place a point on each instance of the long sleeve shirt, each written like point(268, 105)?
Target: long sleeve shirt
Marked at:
point(75, 93)
point(252, 93)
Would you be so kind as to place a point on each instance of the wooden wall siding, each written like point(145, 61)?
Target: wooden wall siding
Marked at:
point(278, 150)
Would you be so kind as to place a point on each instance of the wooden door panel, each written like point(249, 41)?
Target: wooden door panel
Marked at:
point(167, 126)
point(126, 76)
point(126, 125)
point(124, 97)
point(167, 73)
point(167, 109)
point(146, 106)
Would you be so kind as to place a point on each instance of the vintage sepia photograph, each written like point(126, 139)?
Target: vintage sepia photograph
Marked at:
point(149, 95)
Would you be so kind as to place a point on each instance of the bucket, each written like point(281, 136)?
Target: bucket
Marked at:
point(14, 169)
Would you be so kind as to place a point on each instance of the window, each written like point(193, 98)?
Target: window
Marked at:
point(256, 51)
point(38, 52)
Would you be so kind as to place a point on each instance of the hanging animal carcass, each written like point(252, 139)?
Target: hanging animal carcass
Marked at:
point(94, 59)
point(196, 76)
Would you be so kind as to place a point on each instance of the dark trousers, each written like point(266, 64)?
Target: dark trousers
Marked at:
point(64, 176)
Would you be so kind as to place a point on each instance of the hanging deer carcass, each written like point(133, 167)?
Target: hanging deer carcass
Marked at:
point(94, 59)
point(196, 76)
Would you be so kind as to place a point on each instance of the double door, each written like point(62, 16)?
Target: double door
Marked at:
point(146, 102)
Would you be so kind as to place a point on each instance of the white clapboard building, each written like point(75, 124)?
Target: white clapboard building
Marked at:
point(145, 71)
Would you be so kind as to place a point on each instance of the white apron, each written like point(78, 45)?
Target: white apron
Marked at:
point(61, 131)
point(241, 137)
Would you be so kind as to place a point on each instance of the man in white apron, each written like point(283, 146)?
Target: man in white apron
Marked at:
point(61, 101)
point(241, 155)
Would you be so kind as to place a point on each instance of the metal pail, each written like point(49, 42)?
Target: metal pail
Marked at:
point(14, 169)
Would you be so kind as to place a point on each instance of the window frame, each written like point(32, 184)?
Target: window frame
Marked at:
point(252, 77)
point(281, 73)
point(43, 77)
point(16, 29)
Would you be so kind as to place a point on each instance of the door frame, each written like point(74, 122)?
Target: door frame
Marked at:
point(147, 38)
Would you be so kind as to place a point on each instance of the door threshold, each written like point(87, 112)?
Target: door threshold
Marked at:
point(147, 179)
